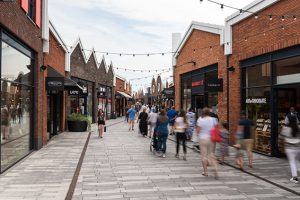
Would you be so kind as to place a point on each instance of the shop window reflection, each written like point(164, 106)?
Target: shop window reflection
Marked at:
point(258, 110)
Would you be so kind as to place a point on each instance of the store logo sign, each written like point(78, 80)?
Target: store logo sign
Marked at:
point(198, 83)
point(73, 92)
point(256, 100)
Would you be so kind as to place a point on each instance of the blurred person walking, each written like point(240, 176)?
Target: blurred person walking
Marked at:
point(101, 122)
point(291, 134)
point(142, 120)
point(224, 144)
point(152, 119)
point(172, 114)
point(180, 127)
point(191, 118)
point(131, 117)
point(162, 132)
point(204, 126)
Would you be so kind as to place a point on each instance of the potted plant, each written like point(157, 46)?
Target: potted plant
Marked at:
point(78, 122)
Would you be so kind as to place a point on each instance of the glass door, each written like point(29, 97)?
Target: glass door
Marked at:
point(199, 104)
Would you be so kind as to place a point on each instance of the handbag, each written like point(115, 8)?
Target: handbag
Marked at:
point(215, 135)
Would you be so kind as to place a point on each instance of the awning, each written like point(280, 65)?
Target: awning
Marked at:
point(68, 84)
point(124, 95)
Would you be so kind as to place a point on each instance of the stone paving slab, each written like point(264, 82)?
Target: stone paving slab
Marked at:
point(120, 166)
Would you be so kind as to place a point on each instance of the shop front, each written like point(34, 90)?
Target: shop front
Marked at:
point(17, 87)
point(270, 86)
point(104, 96)
point(199, 89)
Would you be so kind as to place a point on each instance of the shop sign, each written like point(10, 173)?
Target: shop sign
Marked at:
point(101, 94)
point(214, 85)
point(73, 92)
point(169, 92)
point(55, 83)
point(84, 92)
point(256, 100)
point(198, 83)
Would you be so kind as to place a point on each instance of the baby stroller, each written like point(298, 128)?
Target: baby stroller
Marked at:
point(153, 142)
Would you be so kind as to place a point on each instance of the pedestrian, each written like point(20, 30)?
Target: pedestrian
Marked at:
point(152, 119)
point(224, 144)
point(4, 122)
point(142, 120)
point(180, 127)
point(126, 114)
point(204, 126)
point(162, 132)
point(101, 122)
point(291, 114)
point(191, 118)
point(291, 134)
point(172, 114)
point(131, 117)
point(245, 129)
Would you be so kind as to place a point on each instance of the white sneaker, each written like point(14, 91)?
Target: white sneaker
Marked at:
point(164, 155)
point(294, 180)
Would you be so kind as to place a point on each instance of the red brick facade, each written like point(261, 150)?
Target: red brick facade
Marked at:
point(14, 20)
point(211, 54)
point(249, 40)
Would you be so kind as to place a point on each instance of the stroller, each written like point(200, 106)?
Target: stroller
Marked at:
point(153, 142)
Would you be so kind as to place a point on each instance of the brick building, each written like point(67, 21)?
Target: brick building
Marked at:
point(123, 92)
point(259, 53)
point(97, 81)
point(201, 62)
point(23, 38)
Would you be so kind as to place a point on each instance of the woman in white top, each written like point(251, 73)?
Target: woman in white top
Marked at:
point(204, 126)
point(152, 119)
point(179, 128)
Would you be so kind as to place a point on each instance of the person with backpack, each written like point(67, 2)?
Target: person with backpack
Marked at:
point(291, 134)
point(172, 114)
point(101, 122)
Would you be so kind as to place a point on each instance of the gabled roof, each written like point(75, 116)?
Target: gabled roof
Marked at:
point(57, 36)
point(92, 54)
point(211, 28)
point(254, 7)
point(73, 47)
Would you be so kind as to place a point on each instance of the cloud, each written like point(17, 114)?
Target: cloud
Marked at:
point(132, 26)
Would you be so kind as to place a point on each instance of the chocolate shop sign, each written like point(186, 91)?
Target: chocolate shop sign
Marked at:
point(256, 100)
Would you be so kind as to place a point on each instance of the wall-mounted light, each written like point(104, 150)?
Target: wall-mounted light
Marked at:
point(43, 67)
point(230, 69)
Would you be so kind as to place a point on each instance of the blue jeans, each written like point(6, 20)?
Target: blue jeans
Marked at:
point(162, 142)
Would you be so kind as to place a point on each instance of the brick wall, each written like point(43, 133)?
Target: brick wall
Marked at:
point(257, 43)
point(203, 57)
point(14, 20)
point(120, 85)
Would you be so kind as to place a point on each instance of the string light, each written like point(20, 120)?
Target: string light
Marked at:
point(282, 18)
point(270, 17)
point(256, 16)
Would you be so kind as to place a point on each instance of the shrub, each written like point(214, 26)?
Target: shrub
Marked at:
point(79, 117)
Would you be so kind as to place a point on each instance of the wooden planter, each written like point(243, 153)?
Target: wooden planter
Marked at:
point(77, 126)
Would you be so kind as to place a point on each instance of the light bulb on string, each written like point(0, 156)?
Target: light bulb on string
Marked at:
point(270, 17)
point(294, 17)
point(256, 16)
point(282, 18)
point(201, 1)
point(222, 6)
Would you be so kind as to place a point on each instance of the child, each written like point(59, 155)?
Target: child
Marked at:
point(224, 151)
point(239, 156)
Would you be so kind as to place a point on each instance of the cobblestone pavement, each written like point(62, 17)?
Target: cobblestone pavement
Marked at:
point(120, 166)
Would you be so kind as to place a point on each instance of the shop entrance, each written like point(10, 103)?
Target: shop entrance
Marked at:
point(53, 114)
point(285, 97)
point(198, 104)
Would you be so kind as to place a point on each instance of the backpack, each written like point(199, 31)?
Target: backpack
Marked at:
point(215, 135)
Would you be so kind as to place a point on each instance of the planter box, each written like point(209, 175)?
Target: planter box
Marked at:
point(77, 126)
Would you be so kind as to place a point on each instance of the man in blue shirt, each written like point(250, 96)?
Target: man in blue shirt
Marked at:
point(131, 117)
point(172, 114)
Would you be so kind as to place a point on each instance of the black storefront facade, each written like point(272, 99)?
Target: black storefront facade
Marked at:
point(199, 89)
point(104, 98)
point(270, 86)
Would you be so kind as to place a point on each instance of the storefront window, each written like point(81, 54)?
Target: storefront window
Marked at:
point(287, 70)
point(186, 92)
point(213, 101)
point(16, 101)
point(257, 75)
point(258, 110)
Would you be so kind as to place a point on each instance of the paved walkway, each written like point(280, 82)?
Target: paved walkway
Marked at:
point(120, 166)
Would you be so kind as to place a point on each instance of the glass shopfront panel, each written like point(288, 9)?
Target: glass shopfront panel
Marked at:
point(186, 93)
point(258, 75)
point(287, 70)
point(258, 110)
point(16, 105)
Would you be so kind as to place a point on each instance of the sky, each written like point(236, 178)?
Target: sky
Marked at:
point(134, 26)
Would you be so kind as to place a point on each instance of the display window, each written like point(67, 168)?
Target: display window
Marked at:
point(16, 102)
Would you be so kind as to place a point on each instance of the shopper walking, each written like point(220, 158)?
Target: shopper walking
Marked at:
point(245, 129)
point(191, 118)
point(224, 144)
point(162, 132)
point(126, 114)
point(101, 122)
point(152, 119)
point(180, 127)
point(142, 120)
point(131, 117)
point(291, 134)
point(172, 114)
point(291, 114)
point(204, 126)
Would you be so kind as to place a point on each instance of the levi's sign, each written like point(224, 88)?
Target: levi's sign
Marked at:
point(73, 92)
point(256, 100)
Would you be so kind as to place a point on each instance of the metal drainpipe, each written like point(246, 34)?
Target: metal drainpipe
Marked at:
point(227, 85)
